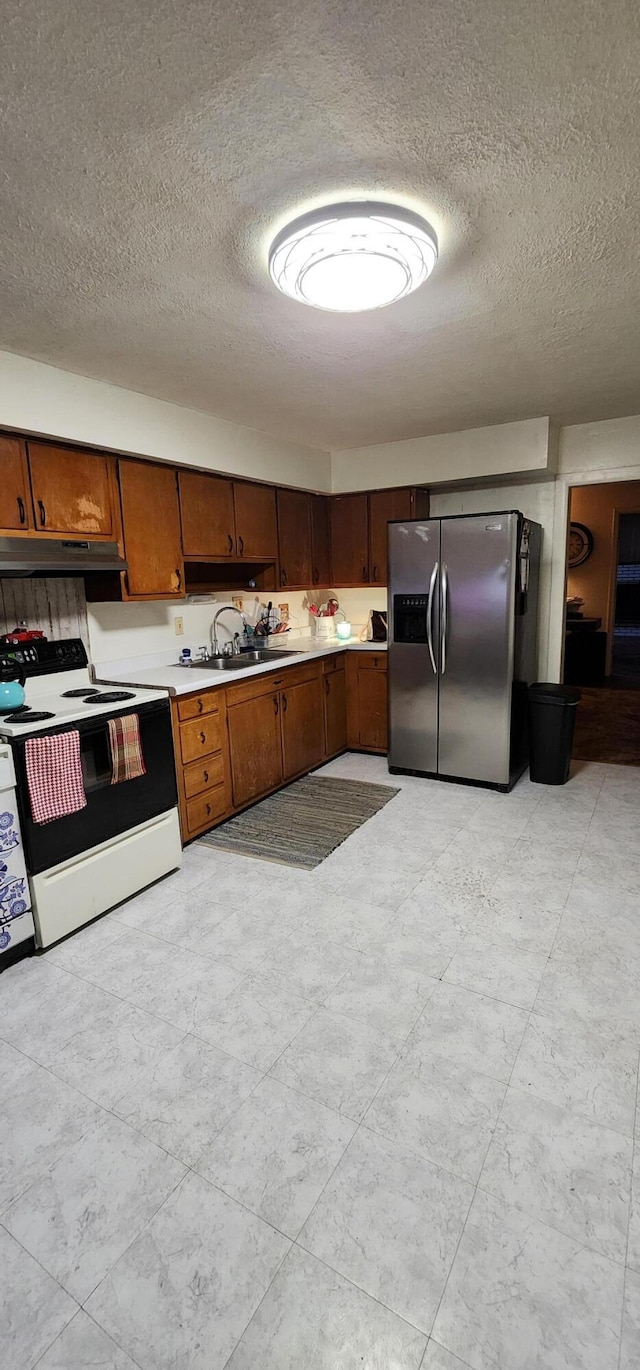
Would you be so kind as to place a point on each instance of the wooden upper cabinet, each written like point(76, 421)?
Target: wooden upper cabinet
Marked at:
point(72, 491)
point(207, 514)
point(320, 540)
point(256, 523)
point(294, 538)
point(384, 506)
point(15, 501)
point(350, 539)
point(302, 726)
point(255, 749)
point(151, 526)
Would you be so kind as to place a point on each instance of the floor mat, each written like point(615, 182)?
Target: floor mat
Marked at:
point(303, 824)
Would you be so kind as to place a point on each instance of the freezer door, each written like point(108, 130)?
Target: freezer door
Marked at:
point(477, 590)
point(414, 630)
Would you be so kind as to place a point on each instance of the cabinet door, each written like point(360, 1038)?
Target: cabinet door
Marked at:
point(254, 747)
point(384, 506)
point(302, 727)
point(320, 540)
point(335, 712)
point(72, 491)
point(294, 538)
point(372, 709)
point(207, 515)
point(349, 540)
point(256, 525)
point(151, 524)
point(15, 500)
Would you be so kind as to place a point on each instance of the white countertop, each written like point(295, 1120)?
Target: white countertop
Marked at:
point(161, 671)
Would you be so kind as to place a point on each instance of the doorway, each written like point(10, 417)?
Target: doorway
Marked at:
point(602, 628)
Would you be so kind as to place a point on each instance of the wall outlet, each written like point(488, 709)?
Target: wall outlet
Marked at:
point(178, 625)
point(238, 602)
point(284, 612)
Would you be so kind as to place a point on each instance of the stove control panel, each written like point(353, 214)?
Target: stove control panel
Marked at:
point(47, 658)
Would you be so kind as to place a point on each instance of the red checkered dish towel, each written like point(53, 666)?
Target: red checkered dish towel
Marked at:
point(54, 775)
point(127, 760)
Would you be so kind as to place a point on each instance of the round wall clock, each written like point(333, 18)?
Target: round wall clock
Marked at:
point(580, 544)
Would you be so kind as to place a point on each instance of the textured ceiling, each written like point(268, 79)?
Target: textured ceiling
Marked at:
point(151, 147)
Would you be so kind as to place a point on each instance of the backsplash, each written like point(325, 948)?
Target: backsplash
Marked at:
point(57, 606)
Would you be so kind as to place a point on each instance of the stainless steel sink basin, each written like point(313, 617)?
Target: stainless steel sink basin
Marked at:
point(257, 657)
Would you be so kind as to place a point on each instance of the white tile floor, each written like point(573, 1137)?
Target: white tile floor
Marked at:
point(379, 1115)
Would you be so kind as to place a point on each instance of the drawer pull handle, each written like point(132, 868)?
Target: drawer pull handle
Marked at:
point(241, 544)
point(208, 810)
point(43, 513)
point(203, 737)
point(230, 542)
point(205, 777)
point(200, 706)
point(21, 510)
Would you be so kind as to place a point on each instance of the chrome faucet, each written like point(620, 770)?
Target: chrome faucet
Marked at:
point(236, 643)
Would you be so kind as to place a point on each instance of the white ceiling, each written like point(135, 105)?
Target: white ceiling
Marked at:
point(151, 147)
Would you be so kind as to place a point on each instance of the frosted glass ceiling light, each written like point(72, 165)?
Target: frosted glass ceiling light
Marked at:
point(352, 257)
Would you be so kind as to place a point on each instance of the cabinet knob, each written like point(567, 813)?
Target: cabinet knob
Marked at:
point(43, 512)
point(179, 577)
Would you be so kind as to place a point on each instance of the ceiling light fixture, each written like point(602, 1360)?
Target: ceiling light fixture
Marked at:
point(351, 257)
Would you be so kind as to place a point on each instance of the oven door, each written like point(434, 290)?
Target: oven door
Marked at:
point(110, 809)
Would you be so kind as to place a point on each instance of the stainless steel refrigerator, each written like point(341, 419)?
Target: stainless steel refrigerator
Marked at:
point(462, 616)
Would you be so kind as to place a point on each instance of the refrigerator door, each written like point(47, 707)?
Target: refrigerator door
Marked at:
point(414, 633)
point(477, 589)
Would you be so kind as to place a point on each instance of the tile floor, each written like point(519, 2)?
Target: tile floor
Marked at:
point(380, 1114)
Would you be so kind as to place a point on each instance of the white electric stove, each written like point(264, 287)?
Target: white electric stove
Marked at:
point(128, 834)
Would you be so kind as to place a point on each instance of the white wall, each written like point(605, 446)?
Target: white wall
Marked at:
point(40, 399)
point(502, 450)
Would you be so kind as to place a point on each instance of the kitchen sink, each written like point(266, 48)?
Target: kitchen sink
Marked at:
point(258, 657)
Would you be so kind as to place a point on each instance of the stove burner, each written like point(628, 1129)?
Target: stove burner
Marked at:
point(79, 694)
point(110, 696)
point(27, 715)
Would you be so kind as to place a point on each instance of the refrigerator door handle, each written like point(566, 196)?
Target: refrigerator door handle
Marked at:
point(432, 587)
point(445, 618)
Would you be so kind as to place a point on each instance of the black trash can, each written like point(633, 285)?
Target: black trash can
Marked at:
point(552, 721)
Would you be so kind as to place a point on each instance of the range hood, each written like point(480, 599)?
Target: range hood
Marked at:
point(50, 557)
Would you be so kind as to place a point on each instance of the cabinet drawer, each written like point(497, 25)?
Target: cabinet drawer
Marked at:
point(202, 775)
point(333, 663)
point(204, 810)
point(200, 737)
point(372, 661)
point(195, 705)
point(273, 680)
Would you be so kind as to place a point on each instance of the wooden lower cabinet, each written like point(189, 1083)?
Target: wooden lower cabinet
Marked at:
point(302, 726)
point(335, 710)
point(237, 744)
point(367, 701)
point(255, 750)
point(202, 765)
